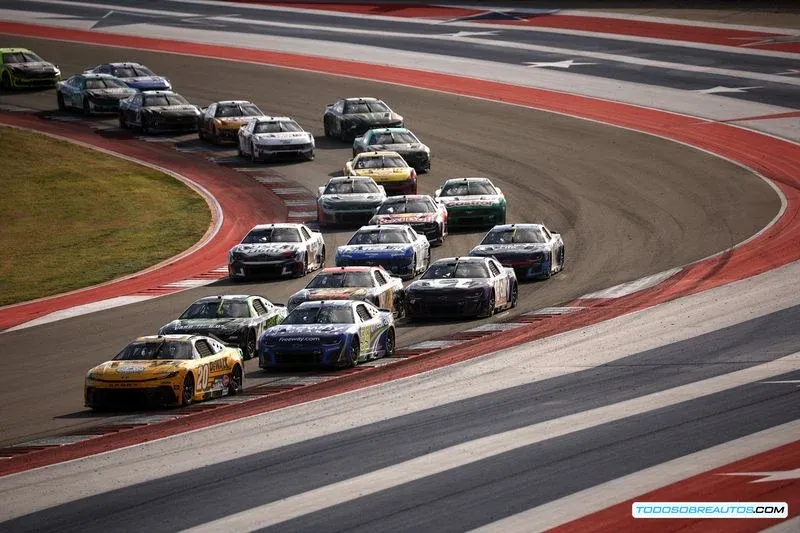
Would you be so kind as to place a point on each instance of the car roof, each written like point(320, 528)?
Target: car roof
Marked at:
point(462, 259)
point(157, 92)
point(513, 226)
point(224, 297)
point(268, 118)
point(378, 153)
point(334, 270)
point(337, 179)
point(398, 199)
point(472, 179)
point(174, 337)
point(233, 102)
point(96, 75)
point(15, 50)
point(388, 130)
point(329, 303)
point(375, 227)
point(294, 225)
point(361, 99)
point(125, 64)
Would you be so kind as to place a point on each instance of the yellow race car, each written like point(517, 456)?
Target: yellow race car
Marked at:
point(386, 168)
point(220, 122)
point(165, 370)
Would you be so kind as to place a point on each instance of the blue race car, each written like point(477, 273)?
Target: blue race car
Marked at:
point(532, 250)
point(329, 334)
point(397, 248)
point(135, 76)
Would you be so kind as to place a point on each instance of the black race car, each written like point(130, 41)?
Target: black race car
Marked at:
point(350, 117)
point(158, 111)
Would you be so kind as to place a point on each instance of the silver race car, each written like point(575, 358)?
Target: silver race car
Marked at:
point(277, 250)
point(267, 137)
point(350, 117)
point(421, 212)
point(92, 93)
point(530, 249)
point(348, 200)
point(400, 140)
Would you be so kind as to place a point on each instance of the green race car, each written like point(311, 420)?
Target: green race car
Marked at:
point(21, 68)
point(472, 202)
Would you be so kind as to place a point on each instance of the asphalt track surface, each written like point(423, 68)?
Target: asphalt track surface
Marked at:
point(627, 204)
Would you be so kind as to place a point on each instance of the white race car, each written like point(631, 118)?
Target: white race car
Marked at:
point(265, 137)
point(348, 200)
point(278, 250)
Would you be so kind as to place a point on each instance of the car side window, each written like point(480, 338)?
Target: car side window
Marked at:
point(339, 107)
point(380, 278)
point(203, 348)
point(546, 233)
point(363, 313)
point(306, 234)
point(211, 110)
point(259, 307)
point(493, 268)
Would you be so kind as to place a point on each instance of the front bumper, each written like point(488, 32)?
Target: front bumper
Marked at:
point(243, 269)
point(172, 122)
point(277, 150)
point(418, 160)
point(524, 267)
point(474, 217)
point(444, 305)
point(103, 105)
point(21, 80)
point(398, 188)
point(431, 230)
point(130, 395)
point(356, 129)
point(302, 356)
point(358, 216)
point(401, 267)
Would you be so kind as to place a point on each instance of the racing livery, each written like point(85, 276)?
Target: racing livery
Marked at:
point(388, 169)
point(400, 140)
point(530, 249)
point(462, 286)
point(331, 334)
point(369, 284)
point(472, 202)
point(421, 212)
point(348, 200)
point(19, 67)
point(92, 93)
point(398, 249)
point(134, 75)
point(220, 122)
point(277, 250)
point(165, 370)
point(158, 111)
point(350, 117)
point(265, 137)
point(237, 320)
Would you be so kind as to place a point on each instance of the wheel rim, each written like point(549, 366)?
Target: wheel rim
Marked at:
point(188, 390)
point(250, 348)
point(355, 353)
point(236, 379)
point(390, 342)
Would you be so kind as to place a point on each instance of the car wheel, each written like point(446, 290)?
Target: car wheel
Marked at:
point(398, 305)
point(514, 296)
point(427, 261)
point(144, 127)
point(561, 259)
point(123, 125)
point(389, 347)
point(6, 81)
point(489, 310)
point(354, 353)
point(253, 158)
point(310, 156)
point(60, 100)
point(304, 271)
point(249, 349)
point(87, 110)
point(322, 259)
point(237, 381)
point(200, 133)
point(326, 125)
point(187, 391)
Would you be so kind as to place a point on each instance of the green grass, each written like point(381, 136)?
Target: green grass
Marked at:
point(71, 217)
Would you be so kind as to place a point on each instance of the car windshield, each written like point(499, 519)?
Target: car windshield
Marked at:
point(104, 83)
point(415, 205)
point(514, 236)
point(338, 280)
point(453, 269)
point(155, 100)
point(237, 110)
point(131, 71)
point(468, 188)
point(159, 349)
point(224, 308)
point(380, 236)
point(394, 137)
point(352, 187)
point(21, 57)
point(277, 126)
point(272, 235)
point(321, 314)
point(373, 106)
point(381, 161)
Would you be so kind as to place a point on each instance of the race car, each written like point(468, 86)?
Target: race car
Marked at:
point(462, 287)
point(277, 250)
point(158, 111)
point(19, 68)
point(220, 122)
point(265, 137)
point(388, 169)
point(472, 202)
point(348, 200)
point(422, 213)
point(530, 249)
point(400, 140)
point(398, 249)
point(330, 334)
point(165, 370)
point(134, 75)
point(92, 93)
point(350, 117)
point(234, 319)
point(369, 284)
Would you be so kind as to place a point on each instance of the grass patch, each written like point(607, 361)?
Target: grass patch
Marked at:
point(73, 217)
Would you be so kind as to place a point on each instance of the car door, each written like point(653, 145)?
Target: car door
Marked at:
point(337, 111)
point(212, 368)
point(311, 246)
point(208, 118)
point(134, 111)
point(419, 248)
point(365, 329)
point(68, 91)
point(500, 281)
point(244, 136)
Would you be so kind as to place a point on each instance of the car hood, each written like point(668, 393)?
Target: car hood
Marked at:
point(341, 293)
point(205, 324)
point(398, 147)
point(174, 109)
point(404, 218)
point(233, 122)
point(374, 118)
point(136, 370)
point(270, 138)
point(145, 80)
point(459, 283)
point(34, 66)
point(271, 248)
point(111, 93)
point(306, 331)
point(521, 248)
point(382, 172)
point(353, 198)
point(373, 249)
point(470, 201)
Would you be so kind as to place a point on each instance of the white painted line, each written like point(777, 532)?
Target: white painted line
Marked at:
point(302, 214)
point(220, 270)
point(428, 345)
point(298, 380)
point(624, 289)
point(466, 453)
point(300, 203)
point(16, 108)
point(383, 361)
point(499, 326)
point(287, 191)
point(597, 498)
point(143, 419)
point(270, 179)
point(554, 311)
point(189, 283)
point(58, 440)
point(80, 310)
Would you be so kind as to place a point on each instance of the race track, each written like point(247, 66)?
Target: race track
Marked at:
point(627, 204)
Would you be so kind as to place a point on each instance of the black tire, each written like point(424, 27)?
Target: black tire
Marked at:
point(60, 100)
point(237, 381)
point(6, 81)
point(253, 158)
point(187, 391)
point(561, 259)
point(390, 343)
point(87, 111)
point(326, 125)
point(304, 271)
point(548, 273)
point(143, 126)
point(354, 353)
point(123, 124)
point(322, 259)
point(310, 156)
point(399, 305)
point(249, 348)
point(489, 310)
point(200, 133)
point(514, 296)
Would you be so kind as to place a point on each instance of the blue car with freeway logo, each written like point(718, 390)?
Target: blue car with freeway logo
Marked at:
point(396, 247)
